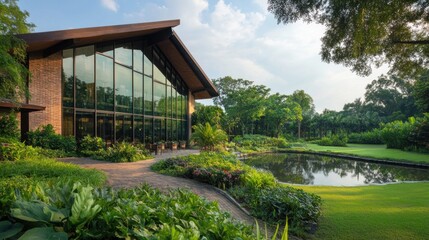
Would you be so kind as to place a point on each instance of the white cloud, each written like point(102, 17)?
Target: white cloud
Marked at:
point(227, 40)
point(110, 4)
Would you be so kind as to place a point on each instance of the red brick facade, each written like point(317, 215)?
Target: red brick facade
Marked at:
point(45, 89)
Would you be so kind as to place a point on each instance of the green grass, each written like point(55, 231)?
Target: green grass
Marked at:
point(396, 211)
point(373, 151)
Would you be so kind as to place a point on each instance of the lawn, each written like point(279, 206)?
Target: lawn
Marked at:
point(396, 211)
point(373, 151)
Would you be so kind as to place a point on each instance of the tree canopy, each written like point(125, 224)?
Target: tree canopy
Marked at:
point(363, 34)
point(13, 72)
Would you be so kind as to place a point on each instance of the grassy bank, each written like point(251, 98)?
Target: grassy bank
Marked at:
point(397, 211)
point(373, 151)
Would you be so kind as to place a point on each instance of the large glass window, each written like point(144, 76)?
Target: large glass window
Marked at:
point(138, 129)
point(124, 128)
point(105, 49)
point(105, 127)
point(84, 124)
point(120, 92)
point(148, 130)
point(148, 103)
point(84, 70)
point(104, 81)
point(124, 53)
point(138, 93)
point(123, 89)
point(68, 79)
point(157, 130)
point(138, 57)
point(67, 123)
point(159, 101)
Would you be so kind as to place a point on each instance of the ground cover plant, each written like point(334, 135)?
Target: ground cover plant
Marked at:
point(252, 143)
point(257, 190)
point(395, 211)
point(75, 211)
point(372, 151)
point(30, 169)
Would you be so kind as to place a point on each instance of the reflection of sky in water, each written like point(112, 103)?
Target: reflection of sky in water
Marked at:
point(320, 170)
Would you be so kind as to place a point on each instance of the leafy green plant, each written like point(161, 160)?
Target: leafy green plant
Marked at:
point(333, 140)
point(369, 137)
point(9, 126)
point(396, 134)
point(208, 137)
point(16, 151)
point(249, 143)
point(45, 137)
point(91, 144)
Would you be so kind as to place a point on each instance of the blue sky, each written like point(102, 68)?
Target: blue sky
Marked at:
point(236, 38)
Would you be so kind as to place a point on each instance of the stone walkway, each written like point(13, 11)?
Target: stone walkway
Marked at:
point(135, 173)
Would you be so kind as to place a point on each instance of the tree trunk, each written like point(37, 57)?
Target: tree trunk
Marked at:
point(299, 129)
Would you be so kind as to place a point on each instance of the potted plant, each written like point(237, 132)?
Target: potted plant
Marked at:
point(173, 145)
point(162, 144)
point(182, 144)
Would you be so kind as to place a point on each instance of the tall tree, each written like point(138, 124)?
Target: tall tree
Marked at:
point(279, 111)
point(13, 72)
point(391, 97)
point(421, 92)
point(362, 34)
point(305, 101)
point(207, 114)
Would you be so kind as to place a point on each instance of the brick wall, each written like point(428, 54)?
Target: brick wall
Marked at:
point(45, 89)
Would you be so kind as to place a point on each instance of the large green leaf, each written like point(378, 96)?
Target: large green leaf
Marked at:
point(37, 211)
point(84, 207)
point(8, 229)
point(43, 233)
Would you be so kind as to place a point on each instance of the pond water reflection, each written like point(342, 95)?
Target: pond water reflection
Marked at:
point(329, 171)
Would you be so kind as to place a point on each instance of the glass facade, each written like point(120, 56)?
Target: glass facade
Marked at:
point(122, 91)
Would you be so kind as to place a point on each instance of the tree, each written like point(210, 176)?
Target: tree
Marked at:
point(13, 72)
point(279, 111)
point(307, 107)
point(243, 102)
point(391, 97)
point(207, 114)
point(421, 92)
point(362, 34)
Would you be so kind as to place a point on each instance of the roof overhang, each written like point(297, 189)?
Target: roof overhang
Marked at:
point(21, 107)
point(157, 33)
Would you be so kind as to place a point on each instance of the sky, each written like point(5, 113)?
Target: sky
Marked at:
point(237, 38)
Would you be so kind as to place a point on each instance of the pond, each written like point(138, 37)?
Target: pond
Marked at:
point(310, 169)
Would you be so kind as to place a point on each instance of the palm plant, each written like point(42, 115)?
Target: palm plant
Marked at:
point(208, 137)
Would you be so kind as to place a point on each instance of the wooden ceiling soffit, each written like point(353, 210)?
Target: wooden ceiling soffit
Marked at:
point(58, 47)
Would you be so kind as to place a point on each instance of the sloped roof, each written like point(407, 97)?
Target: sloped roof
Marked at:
point(159, 33)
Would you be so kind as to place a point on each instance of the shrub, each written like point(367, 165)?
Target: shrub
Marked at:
point(419, 136)
point(369, 137)
point(123, 152)
point(333, 140)
point(258, 143)
point(16, 151)
point(45, 137)
point(396, 134)
point(9, 126)
point(89, 143)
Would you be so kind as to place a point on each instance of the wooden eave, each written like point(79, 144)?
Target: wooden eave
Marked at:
point(21, 107)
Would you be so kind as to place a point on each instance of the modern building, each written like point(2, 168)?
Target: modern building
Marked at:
point(135, 82)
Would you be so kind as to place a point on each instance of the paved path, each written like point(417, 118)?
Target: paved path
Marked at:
point(135, 173)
